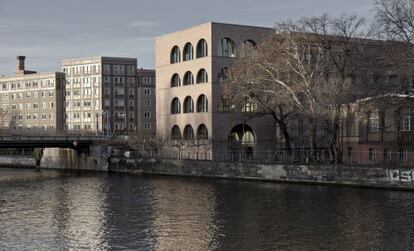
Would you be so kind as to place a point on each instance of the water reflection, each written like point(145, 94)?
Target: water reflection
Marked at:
point(184, 215)
point(51, 210)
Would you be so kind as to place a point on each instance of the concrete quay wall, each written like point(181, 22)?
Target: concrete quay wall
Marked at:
point(375, 177)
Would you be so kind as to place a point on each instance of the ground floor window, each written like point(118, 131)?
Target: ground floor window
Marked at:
point(372, 154)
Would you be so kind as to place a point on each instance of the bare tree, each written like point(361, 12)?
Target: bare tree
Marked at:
point(343, 40)
point(251, 88)
point(395, 19)
point(285, 75)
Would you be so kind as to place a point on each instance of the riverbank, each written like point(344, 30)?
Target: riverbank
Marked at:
point(332, 175)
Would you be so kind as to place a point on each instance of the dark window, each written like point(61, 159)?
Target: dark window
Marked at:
point(202, 49)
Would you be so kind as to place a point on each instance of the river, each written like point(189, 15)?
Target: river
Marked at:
point(49, 210)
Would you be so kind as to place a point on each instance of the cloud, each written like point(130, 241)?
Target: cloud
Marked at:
point(143, 24)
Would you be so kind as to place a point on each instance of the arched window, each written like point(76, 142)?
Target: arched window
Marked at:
point(248, 47)
point(226, 48)
point(202, 76)
point(188, 78)
point(223, 74)
point(202, 103)
point(175, 56)
point(249, 105)
point(175, 80)
point(175, 106)
point(175, 133)
point(202, 50)
point(202, 132)
point(188, 52)
point(188, 132)
point(188, 105)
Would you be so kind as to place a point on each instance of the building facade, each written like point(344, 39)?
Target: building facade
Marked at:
point(100, 94)
point(379, 131)
point(190, 107)
point(146, 102)
point(31, 101)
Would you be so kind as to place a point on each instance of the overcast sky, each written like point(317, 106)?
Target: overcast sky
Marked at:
point(46, 31)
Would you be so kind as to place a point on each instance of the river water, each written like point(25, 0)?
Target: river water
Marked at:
point(51, 210)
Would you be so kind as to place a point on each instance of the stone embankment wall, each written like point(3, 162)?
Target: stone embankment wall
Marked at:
point(58, 158)
point(17, 161)
point(393, 178)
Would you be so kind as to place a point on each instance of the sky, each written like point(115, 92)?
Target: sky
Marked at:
point(47, 31)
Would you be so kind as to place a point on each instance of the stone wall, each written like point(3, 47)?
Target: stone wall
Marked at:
point(59, 158)
point(327, 174)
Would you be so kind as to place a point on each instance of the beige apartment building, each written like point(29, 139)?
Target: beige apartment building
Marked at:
point(100, 94)
point(32, 101)
point(190, 107)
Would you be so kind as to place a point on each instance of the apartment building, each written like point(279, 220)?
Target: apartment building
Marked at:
point(100, 94)
point(145, 100)
point(189, 66)
point(32, 101)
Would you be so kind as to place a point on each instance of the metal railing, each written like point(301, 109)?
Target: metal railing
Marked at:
point(302, 157)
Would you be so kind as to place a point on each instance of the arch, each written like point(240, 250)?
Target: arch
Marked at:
point(248, 46)
point(188, 105)
point(175, 80)
point(175, 133)
point(202, 76)
point(202, 103)
point(202, 49)
point(188, 78)
point(188, 132)
point(241, 142)
point(175, 106)
point(188, 52)
point(202, 132)
point(226, 47)
point(223, 74)
point(175, 56)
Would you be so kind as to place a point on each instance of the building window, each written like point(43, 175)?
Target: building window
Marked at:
point(175, 55)
point(175, 106)
point(202, 132)
point(147, 91)
point(188, 132)
point(175, 133)
point(202, 76)
point(406, 123)
point(374, 124)
point(202, 49)
point(350, 154)
point(175, 80)
point(188, 105)
point(147, 114)
point(248, 47)
point(372, 154)
point(387, 154)
point(147, 125)
point(147, 103)
point(188, 78)
point(188, 52)
point(227, 47)
point(403, 154)
point(249, 106)
point(223, 74)
point(202, 103)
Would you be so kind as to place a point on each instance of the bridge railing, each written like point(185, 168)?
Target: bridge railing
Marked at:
point(50, 133)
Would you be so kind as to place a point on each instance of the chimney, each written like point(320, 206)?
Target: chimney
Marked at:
point(20, 64)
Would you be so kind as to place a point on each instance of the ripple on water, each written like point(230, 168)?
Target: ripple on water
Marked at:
point(58, 210)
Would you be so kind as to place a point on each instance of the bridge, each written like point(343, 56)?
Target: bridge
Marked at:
point(51, 140)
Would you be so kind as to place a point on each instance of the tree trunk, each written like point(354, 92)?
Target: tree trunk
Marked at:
point(312, 138)
point(283, 129)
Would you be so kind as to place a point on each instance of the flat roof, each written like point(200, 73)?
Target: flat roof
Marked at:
point(210, 23)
